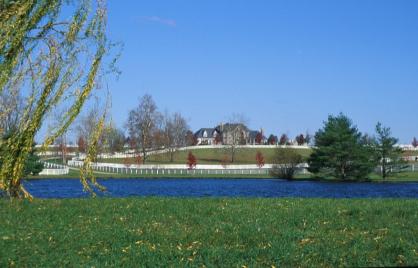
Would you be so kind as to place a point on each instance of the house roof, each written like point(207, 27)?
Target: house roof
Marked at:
point(232, 127)
point(209, 131)
point(253, 134)
point(225, 127)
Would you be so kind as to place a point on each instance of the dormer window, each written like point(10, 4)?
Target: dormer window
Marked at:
point(205, 134)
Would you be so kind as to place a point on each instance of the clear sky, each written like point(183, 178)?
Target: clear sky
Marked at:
point(285, 65)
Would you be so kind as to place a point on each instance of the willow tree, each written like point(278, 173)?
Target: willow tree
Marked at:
point(52, 52)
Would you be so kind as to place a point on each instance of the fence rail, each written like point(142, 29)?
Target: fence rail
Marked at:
point(170, 170)
point(181, 169)
point(54, 169)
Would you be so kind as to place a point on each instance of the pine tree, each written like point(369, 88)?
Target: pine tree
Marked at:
point(340, 151)
point(388, 155)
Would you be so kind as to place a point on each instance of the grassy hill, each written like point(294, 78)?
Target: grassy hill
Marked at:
point(213, 156)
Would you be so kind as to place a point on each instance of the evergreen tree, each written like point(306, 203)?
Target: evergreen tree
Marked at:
point(415, 142)
point(388, 155)
point(33, 166)
point(340, 151)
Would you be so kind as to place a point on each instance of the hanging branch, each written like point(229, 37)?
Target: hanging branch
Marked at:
point(60, 62)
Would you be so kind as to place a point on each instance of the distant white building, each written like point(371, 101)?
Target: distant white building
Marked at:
point(228, 134)
point(206, 136)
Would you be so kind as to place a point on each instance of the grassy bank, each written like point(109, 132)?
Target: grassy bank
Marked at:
point(74, 174)
point(213, 156)
point(213, 232)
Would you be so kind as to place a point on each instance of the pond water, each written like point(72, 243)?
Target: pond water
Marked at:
point(72, 188)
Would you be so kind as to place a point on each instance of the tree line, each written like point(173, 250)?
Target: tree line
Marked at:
point(147, 128)
point(341, 151)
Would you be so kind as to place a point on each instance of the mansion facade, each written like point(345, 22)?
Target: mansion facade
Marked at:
point(227, 134)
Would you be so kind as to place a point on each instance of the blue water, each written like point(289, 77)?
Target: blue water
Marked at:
point(71, 188)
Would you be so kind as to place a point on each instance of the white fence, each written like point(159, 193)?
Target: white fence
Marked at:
point(57, 154)
point(54, 169)
point(407, 168)
point(77, 163)
point(180, 169)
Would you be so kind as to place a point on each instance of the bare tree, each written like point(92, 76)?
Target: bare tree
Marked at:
point(113, 139)
point(10, 107)
point(87, 123)
point(81, 144)
point(61, 142)
point(234, 133)
point(191, 139)
point(308, 138)
point(285, 163)
point(86, 126)
point(142, 123)
point(175, 131)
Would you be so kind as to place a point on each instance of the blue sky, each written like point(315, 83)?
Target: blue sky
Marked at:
point(285, 65)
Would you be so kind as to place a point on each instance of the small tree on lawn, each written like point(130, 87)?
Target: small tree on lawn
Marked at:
point(415, 142)
point(127, 162)
point(308, 138)
point(388, 155)
point(33, 165)
point(272, 140)
point(300, 139)
point(191, 139)
point(62, 146)
point(191, 161)
point(283, 139)
point(138, 160)
point(285, 163)
point(225, 161)
point(81, 143)
point(260, 159)
point(259, 138)
point(218, 139)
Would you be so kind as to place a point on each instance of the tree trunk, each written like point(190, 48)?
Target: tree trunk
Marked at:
point(171, 156)
point(144, 155)
point(63, 156)
point(342, 170)
point(384, 168)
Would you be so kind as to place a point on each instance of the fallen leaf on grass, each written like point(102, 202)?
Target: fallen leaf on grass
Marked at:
point(306, 241)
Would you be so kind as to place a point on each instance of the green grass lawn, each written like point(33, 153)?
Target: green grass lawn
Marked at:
point(213, 156)
point(152, 232)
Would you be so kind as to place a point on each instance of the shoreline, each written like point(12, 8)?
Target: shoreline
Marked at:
point(374, 179)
